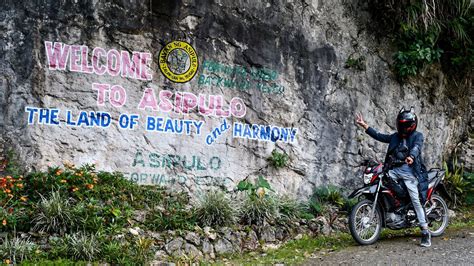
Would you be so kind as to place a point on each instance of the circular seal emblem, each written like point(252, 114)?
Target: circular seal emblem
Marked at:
point(178, 61)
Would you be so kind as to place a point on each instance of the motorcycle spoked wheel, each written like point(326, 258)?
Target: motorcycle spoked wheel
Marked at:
point(362, 230)
point(438, 218)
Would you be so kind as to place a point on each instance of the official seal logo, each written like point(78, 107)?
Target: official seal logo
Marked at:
point(178, 61)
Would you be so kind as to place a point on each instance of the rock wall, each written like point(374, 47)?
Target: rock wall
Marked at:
point(271, 75)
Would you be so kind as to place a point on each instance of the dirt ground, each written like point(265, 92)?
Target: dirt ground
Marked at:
point(455, 247)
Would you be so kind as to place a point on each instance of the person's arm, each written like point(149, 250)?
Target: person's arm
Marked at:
point(417, 146)
point(378, 136)
point(372, 132)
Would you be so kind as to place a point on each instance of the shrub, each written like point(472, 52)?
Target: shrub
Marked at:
point(53, 214)
point(16, 250)
point(448, 25)
point(460, 186)
point(216, 209)
point(417, 51)
point(469, 177)
point(174, 213)
point(329, 194)
point(259, 210)
point(13, 200)
point(278, 159)
point(290, 208)
point(81, 246)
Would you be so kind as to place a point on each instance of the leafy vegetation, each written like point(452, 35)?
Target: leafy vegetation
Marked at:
point(460, 185)
point(279, 159)
point(16, 249)
point(355, 63)
point(259, 207)
point(53, 214)
point(428, 32)
point(215, 209)
point(291, 209)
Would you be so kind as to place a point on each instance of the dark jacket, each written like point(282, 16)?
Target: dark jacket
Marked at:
point(415, 144)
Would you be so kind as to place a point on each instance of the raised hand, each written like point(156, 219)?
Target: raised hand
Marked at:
point(360, 121)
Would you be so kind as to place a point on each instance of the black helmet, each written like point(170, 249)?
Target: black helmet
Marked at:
point(406, 122)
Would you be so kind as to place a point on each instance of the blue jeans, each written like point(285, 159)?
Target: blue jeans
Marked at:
point(405, 173)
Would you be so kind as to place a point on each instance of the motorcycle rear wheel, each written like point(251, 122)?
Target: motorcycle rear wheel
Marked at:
point(364, 231)
point(438, 218)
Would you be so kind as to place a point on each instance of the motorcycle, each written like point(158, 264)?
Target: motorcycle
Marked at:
point(380, 205)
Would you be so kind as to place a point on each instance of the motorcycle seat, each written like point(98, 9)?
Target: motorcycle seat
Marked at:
point(432, 175)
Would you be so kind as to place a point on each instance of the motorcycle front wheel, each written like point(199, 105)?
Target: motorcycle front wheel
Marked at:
point(364, 231)
point(437, 214)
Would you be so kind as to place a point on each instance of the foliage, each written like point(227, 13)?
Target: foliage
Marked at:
point(173, 214)
point(469, 177)
point(12, 202)
point(216, 209)
point(460, 186)
point(259, 210)
point(258, 206)
point(278, 159)
point(81, 246)
point(355, 63)
point(424, 29)
point(258, 188)
point(16, 250)
point(415, 52)
point(53, 214)
point(328, 195)
point(290, 208)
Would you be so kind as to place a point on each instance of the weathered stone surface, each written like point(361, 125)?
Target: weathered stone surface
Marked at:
point(251, 241)
point(281, 233)
point(193, 238)
point(325, 227)
point(210, 233)
point(207, 248)
point(267, 234)
point(175, 246)
point(192, 251)
point(301, 46)
point(223, 246)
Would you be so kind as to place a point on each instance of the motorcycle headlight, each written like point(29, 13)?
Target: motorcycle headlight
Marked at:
point(367, 178)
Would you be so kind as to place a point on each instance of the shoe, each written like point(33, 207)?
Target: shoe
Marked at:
point(425, 239)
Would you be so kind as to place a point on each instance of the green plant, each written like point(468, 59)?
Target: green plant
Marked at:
point(53, 214)
point(315, 207)
point(416, 50)
point(216, 209)
point(174, 213)
point(17, 250)
point(143, 249)
point(355, 63)
point(81, 246)
point(329, 194)
point(469, 177)
point(424, 29)
point(259, 210)
point(455, 183)
point(279, 159)
point(258, 187)
point(290, 208)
